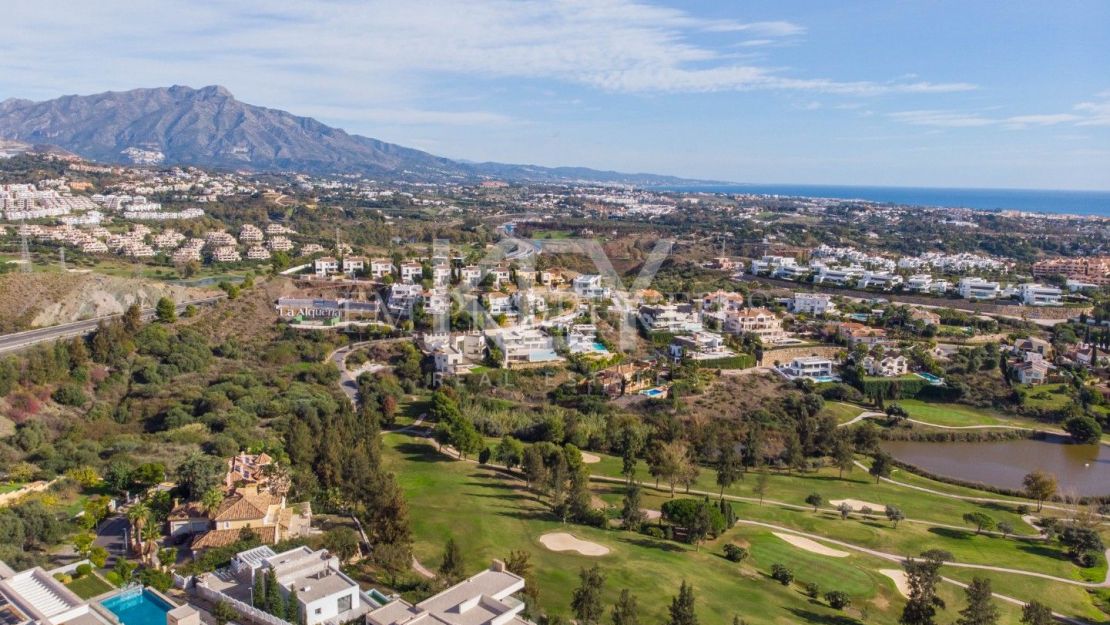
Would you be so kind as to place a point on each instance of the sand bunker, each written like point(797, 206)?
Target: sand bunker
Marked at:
point(651, 515)
point(812, 546)
point(589, 458)
point(858, 505)
point(562, 541)
point(900, 581)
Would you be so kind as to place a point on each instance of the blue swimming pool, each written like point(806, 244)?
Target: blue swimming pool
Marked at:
point(932, 379)
point(134, 607)
point(653, 392)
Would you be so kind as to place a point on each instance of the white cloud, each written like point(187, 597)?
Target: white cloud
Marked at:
point(365, 52)
point(1093, 113)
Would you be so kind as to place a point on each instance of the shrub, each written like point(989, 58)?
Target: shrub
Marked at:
point(735, 553)
point(654, 531)
point(837, 599)
point(781, 574)
point(70, 395)
point(83, 570)
point(812, 590)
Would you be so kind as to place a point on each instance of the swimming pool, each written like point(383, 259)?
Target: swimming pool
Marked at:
point(138, 607)
point(654, 393)
point(932, 379)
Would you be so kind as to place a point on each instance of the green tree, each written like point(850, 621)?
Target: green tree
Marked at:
point(980, 609)
point(729, 468)
point(223, 613)
point(837, 600)
point(1036, 613)
point(1083, 429)
point(921, 578)
point(782, 574)
point(165, 310)
point(1039, 485)
point(586, 600)
point(452, 569)
point(275, 604)
point(393, 558)
point(626, 611)
point(843, 454)
point(343, 542)
point(198, 474)
point(293, 608)
point(632, 514)
point(881, 466)
point(980, 520)
point(815, 500)
point(761, 483)
point(894, 515)
point(682, 610)
point(510, 452)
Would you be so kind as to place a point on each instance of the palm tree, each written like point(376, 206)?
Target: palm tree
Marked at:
point(138, 515)
point(211, 500)
point(151, 534)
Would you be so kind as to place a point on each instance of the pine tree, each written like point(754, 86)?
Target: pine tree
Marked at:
point(922, 577)
point(682, 607)
point(1036, 613)
point(626, 611)
point(632, 516)
point(451, 569)
point(980, 609)
point(586, 600)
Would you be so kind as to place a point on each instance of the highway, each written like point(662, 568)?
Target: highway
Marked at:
point(22, 340)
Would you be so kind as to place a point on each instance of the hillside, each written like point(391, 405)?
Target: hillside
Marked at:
point(209, 127)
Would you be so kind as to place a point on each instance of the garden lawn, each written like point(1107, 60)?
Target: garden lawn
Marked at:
point(490, 514)
point(89, 586)
point(1049, 397)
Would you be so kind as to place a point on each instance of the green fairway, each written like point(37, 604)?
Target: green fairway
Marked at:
point(958, 415)
point(841, 411)
point(490, 514)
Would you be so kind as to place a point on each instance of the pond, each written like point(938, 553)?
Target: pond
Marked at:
point(1080, 469)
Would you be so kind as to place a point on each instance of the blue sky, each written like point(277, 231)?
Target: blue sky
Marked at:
point(936, 93)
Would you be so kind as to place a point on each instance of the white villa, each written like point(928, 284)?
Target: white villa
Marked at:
point(483, 599)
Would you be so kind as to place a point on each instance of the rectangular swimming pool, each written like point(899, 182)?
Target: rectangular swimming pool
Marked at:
point(133, 607)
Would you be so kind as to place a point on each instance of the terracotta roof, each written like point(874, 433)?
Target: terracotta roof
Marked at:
point(189, 510)
point(223, 538)
point(244, 507)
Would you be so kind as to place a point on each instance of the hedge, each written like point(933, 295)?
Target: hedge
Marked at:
point(740, 361)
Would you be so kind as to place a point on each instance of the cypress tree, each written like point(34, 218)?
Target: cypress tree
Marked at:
point(980, 608)
point(682, 607)
point(626, 612)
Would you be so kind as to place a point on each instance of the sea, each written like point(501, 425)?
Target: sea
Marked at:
point(1026, 200)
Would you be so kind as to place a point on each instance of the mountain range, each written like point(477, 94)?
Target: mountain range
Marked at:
point(208, 127)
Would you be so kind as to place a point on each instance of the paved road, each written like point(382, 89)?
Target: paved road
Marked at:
point(22, 340)
point(111, 535)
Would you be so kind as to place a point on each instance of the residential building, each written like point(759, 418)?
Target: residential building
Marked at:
point(758, 321)
point(673, 318)
point(978, 288)
point(483, 599)
point(380, 268)
point(403, 297)
point(721, 301)
point(797, 273)
point(247, 469)
point(1033, 345)
point(589, 286)
point(226, 254)
point(1030, 371)
point(1088, 269)
point(524, 346)
point(279, 243)
point(879, 280)
point(838, 276)
point(249, 234)
point(1040, 295)
point(857, 334)
point(888, 367)
point(925, 316)
point(700, 346)
point(353, 264)
point(262, 512)
point(257, 252)
point(326, 266)
point(324, 593)
point(470, 275)
point(498, 303)
point(812, 303)
point(411, 272)
point(812, 367)
point(768, 264)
